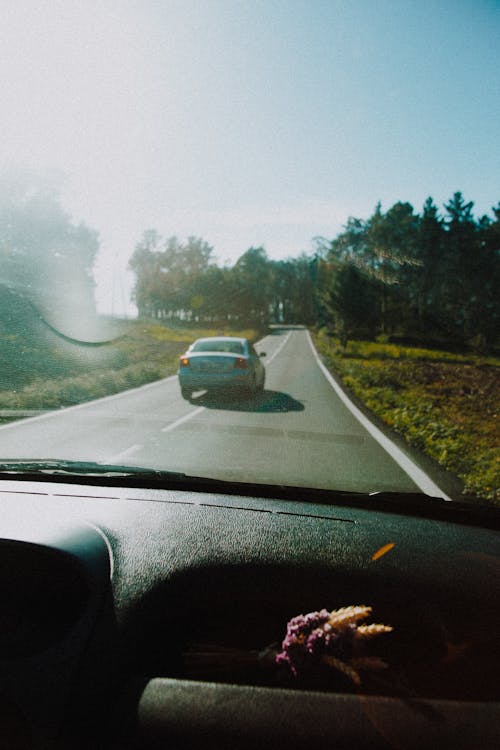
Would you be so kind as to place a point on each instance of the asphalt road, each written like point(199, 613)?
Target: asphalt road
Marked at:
point(298, 432)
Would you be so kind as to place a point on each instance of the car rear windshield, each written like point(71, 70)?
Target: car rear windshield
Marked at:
point(232, 347)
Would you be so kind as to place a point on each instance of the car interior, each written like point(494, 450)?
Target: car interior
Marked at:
point(144, 616)
point(249, 375)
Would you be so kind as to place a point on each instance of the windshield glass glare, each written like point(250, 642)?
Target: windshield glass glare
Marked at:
point(319, 180)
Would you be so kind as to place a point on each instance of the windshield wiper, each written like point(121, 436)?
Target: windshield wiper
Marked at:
point(139, 476)
point(416, 504)
point(48, 467)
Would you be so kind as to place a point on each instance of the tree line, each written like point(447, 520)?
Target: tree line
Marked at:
point(181, 281)
point(430, 276)
point(426, 276)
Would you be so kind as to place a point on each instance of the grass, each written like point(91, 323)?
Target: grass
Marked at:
point(444, 403)
point(143, 352)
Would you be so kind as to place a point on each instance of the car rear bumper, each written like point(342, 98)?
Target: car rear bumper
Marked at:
point(195, 381)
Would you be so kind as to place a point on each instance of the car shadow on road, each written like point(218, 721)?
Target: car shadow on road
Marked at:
point(270, 402)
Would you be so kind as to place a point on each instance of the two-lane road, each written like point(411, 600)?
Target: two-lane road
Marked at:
point(298, 432)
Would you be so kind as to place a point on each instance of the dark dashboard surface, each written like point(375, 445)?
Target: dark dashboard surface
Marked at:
point(110, 594)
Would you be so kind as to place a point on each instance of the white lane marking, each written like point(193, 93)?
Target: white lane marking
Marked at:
point(181, 420)
point(194, 413)
point(280, 347)
point(124, 454)
point(415, 473)
point(84, 404)
point(114, 396)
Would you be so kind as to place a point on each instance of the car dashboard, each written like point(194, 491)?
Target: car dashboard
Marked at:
point(144, 618)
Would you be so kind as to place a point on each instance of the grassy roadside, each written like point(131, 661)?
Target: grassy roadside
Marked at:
point(443, 403)
point(143, 352)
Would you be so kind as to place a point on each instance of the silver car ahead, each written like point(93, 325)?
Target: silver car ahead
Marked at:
point(221, 362)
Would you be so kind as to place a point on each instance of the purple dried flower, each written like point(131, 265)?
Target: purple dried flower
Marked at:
point(329, 638)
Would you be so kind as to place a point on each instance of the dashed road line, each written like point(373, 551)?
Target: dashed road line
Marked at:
point(85, 404)
point(187, 417)
point(183, 419)
point(134, 448)
point(280, 347)
point(124, 454)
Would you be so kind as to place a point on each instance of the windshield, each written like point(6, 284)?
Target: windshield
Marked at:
point(218, 345)
point(319, 179)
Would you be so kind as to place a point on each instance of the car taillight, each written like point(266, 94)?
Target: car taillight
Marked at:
point(184, 362)
point(240, 363)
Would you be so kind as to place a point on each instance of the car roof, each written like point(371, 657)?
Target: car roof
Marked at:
point(222, 338)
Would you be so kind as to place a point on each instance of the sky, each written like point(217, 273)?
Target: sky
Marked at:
point(267, 122)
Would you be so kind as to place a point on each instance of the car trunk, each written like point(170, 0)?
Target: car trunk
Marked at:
point(220, 362)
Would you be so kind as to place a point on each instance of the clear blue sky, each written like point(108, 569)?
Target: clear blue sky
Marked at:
point(250, 123)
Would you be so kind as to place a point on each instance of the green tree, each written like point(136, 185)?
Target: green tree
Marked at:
point(146, 265)
point(430, 277)
point(168, 275)
point(484, 300)
point(462, 244)
point(45, 257)
point(392, 240)
point(350, 300)
point(293, 290)
point(253, 276)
